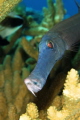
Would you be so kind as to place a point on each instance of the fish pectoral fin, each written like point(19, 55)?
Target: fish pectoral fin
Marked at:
point(3, 41)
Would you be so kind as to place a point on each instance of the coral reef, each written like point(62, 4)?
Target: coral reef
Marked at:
point(64, 107)
point(13, 91)
point(70, 100)
point(31, 113)
point(18, 59)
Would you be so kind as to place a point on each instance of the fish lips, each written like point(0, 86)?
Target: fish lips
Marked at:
point(33, 85)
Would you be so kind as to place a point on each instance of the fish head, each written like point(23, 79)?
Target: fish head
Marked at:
point(52, 48)
point(50, 51)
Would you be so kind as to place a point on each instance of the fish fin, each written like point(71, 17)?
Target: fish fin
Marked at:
point(3, 41)
point(78, 5)
point(74, 47)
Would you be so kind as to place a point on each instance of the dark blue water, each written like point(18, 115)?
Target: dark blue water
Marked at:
point(69, 5)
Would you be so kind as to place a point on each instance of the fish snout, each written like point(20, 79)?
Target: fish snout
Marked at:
point(32, 85)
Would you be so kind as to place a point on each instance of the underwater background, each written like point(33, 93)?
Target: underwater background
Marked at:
point(69, 5)
point(60, 97)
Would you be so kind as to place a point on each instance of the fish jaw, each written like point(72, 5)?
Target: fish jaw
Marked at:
point(33, 88)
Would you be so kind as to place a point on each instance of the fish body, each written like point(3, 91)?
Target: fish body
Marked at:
point(8, 26)
point(51, 49)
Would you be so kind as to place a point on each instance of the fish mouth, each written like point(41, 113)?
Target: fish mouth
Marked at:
point(31, 87)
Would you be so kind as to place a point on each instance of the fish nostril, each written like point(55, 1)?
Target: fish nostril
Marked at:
point(35, 83)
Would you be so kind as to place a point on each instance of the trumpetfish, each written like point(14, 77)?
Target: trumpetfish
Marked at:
point(52, 48)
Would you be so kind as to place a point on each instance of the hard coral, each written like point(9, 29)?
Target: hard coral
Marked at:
point(72, 85)
point(32, 110)
point(13, 92)
point(71, 99)
point(68, 110)
point(31, 113)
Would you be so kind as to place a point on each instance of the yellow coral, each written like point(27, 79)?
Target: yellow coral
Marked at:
point(29, 49)
point(31, 113)
point(6, 6)
point(12, 115)
point(71, 100)
point(53, 114)
point(24, 117)
point(32, 110)
point(72, 85)
point(69, 109)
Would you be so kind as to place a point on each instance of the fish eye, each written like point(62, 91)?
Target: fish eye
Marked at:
point(50, 44)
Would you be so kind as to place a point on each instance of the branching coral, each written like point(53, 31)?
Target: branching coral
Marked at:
point(53, 14)
point(13, 92)
point(71, 99)
point(66, 107)
point(29, 49)
point(72, 85)
point(31, 113)
point(59, 14)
